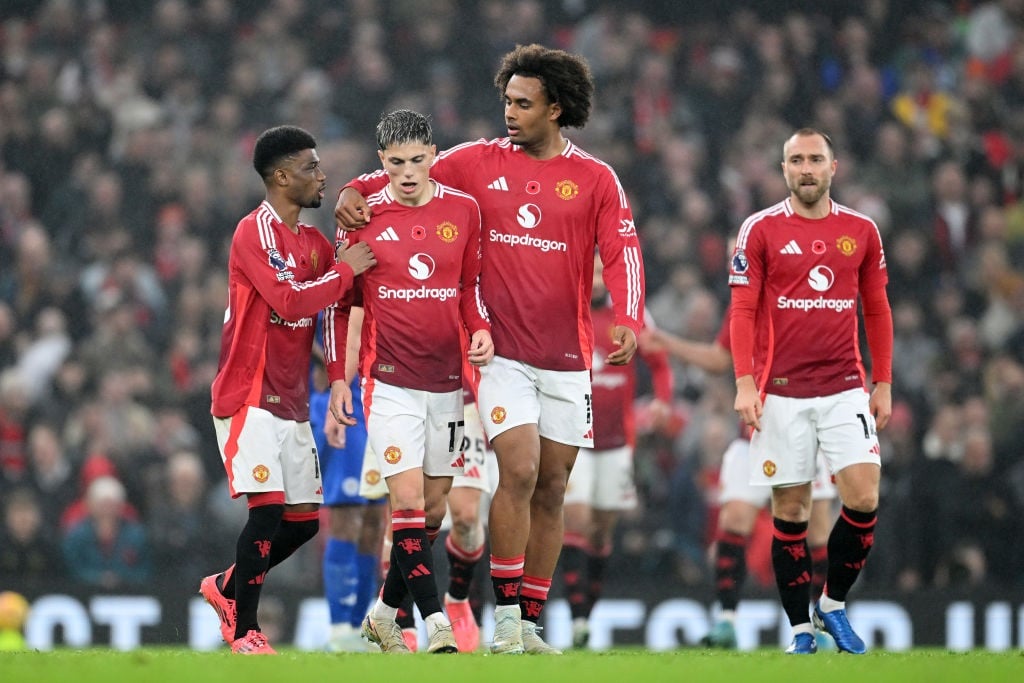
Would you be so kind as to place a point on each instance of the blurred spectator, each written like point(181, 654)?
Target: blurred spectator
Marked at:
point(27, 547)
point(8, 342)
point(94, 467)
point(14, 406)
point(52, 474)
point(106, 549)
point(44, 354)
point(953, 224)
point(67, 390)
point(915, 353)
point(1004, 393)
point(897, 175)
point(28, 284)
point(984, 513)
point(181, 527)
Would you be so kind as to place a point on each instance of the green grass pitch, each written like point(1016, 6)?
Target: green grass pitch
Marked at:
point(613, 666)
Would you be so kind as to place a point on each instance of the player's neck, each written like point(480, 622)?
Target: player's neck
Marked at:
point(287, 211)
point(548, 148)
point(815, 211)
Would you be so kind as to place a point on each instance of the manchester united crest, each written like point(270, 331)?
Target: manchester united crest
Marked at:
point(498, 415)
point(447, 232)
point(769, 468)
point(314, 260)
point(372, 477)
point(261, 473)
point(567, 189)
point(392, 454)
point(846, 245)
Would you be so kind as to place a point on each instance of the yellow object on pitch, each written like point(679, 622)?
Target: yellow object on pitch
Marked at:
point(13, 611)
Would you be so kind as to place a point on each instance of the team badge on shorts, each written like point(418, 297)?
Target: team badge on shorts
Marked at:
point(261, 473)
point(769, 468)
point(392, 454)
point(498, 415)
point(372, 477)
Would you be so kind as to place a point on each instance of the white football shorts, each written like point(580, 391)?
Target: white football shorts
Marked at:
point(409, 428)
point(784, 452)
point(263, 453)
point(476, 471)
point(603, 479)
point(512, 393)
point(734, 478)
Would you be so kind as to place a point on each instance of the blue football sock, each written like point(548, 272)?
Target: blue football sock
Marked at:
point(341, 579)
point(369, 585)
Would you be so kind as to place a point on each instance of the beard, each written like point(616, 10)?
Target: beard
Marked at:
point(810, 194)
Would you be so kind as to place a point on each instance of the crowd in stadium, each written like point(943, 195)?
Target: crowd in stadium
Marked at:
point(126, 133)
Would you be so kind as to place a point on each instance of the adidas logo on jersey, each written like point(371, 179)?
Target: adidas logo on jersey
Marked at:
point(389, 235)
point(791, 248)
point(499, 184)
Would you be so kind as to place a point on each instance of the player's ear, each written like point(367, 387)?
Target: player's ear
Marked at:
point(281, 177)
point(555, 112)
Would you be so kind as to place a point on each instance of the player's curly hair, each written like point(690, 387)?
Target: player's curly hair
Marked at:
point(565, 77)
point(278, 143)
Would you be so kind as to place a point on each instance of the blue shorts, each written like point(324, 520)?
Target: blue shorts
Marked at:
point(341, 468)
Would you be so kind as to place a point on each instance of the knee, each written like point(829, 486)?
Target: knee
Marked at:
point(862, 501)
point(465, 515)
point(518, 478)
point(550, 492)
point(435, 512)
point(305, 525)
point(464, 527)
point(405, 496)
point(791, 511)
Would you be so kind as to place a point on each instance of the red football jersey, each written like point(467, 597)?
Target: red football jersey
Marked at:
point(423, 292)
point(805, 276)
point(277, 282)
point(541, 222)
point(614, 386)
point(724, 333)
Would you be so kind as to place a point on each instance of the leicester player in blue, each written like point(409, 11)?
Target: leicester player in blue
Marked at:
point(355, 525)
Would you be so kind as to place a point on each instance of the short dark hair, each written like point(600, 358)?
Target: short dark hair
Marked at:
point(808, 131)
point(403, 125)
point(275, 144)
point(565, 77)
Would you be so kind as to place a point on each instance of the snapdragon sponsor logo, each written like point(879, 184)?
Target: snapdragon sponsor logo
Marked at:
point(821, 303)
point(528, 241)
point(415, 293)
point(276, 319)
